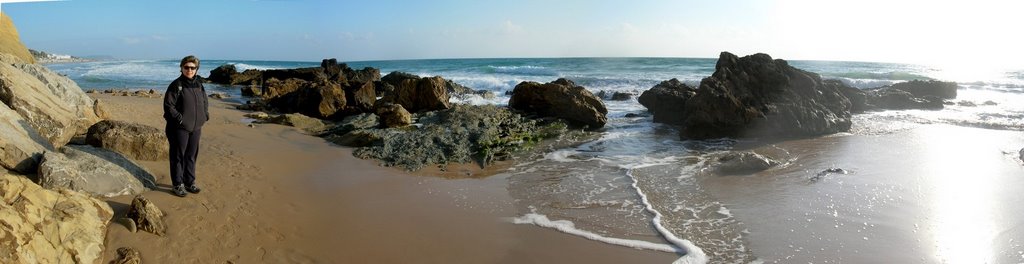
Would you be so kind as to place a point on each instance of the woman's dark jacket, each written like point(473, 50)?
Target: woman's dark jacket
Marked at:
point(185, 104)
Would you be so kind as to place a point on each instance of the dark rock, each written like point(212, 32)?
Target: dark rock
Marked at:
point(918, 88)
point(312, 74)
point(316, 99)
point(666, 100)
point(274, 88)
point(1022, 154)
point(858, 98)
point(393, 115)
point(632, 115)
point(366, 75)
point(252, 90)
point(136, 141)
point(966, 103)
point(147, 216)
point(761, 97)
point(621, 96)
point(561, 98)
point(746, 162)
point(219, 95)
point(990, 103)
point(360, 96)
point(228, 74)
point(895, 99)
point(821, 175)
point(420, 94)
point(392, 80)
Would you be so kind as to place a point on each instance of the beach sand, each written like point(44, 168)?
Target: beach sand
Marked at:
point(272, 194)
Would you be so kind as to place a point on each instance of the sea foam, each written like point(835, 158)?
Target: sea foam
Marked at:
point(569, 227)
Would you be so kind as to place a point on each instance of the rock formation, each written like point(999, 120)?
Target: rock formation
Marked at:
point(20, 146)
point(51, 104)
point(418, 94)
point(94, 171)
point(146, 216)
point(756, 96)
point(561, 98)
point(666, 100)
point(45, 226)
point(393, 115)
point(136, 141)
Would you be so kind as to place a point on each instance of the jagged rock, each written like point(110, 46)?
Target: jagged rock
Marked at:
point(615, 96)
point(419, 94)
point(51, 103)
point(919, 88)
point(312, 74)
point(252, 90)
point(1022, 154)
point(309, 124)
point(45, 226)
point(20, 146)
point(228, 74)
point(135, 141)
point(561, 98)
point(315, 99)
point(366, 75)
point(756, 96)
point(146, 216)
point(360, 96)
point(666, 100)
point(746, 162)
point(393, 115)
point(895, 99)
point(127, 255)
point(274, 87)
point(94, 171)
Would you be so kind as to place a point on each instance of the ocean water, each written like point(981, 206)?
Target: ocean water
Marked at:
point(638, 185)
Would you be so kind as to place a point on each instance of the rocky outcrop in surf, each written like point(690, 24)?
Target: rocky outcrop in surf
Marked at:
point(913, 94)
point(666, 100)
point(756, 96)
point(562, 99)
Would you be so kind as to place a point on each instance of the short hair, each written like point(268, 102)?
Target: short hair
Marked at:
point(189, 58)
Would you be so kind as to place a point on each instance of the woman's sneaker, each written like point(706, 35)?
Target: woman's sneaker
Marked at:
point(180, 190)
point(193, 189)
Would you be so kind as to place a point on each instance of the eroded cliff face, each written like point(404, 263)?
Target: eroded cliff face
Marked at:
point(10, 43)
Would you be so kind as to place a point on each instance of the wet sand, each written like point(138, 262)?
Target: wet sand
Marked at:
point(274, 195)
point(917, 194)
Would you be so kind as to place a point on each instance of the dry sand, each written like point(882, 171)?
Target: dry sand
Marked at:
point(274, 195)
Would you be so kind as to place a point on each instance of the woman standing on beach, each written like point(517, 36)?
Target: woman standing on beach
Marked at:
point(185, 110)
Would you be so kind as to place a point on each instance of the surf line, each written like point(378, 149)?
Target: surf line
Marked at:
point(692, 253)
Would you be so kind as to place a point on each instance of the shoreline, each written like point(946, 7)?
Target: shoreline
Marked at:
point(274, 194)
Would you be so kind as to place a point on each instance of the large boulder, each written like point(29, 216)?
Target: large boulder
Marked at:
point(561, 98)
point(10, 42)
point(666, 100)
point(51, 103)
point(315, 99)
point(756, 96)
point(45, 226)
point(20, 146)
point(146, 216)
point(393, 115)
point(273, 87)
point(365, 75)
point(418, 94)
point(94, 171)
point(919, 88)
point(135, 141)
point(360, 97)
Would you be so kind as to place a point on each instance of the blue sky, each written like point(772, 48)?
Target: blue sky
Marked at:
point(930, 32)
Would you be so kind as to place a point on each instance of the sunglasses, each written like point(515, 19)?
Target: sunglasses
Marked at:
point(190, 67)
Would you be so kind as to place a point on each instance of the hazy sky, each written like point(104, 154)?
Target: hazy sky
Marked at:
point(930, 32)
